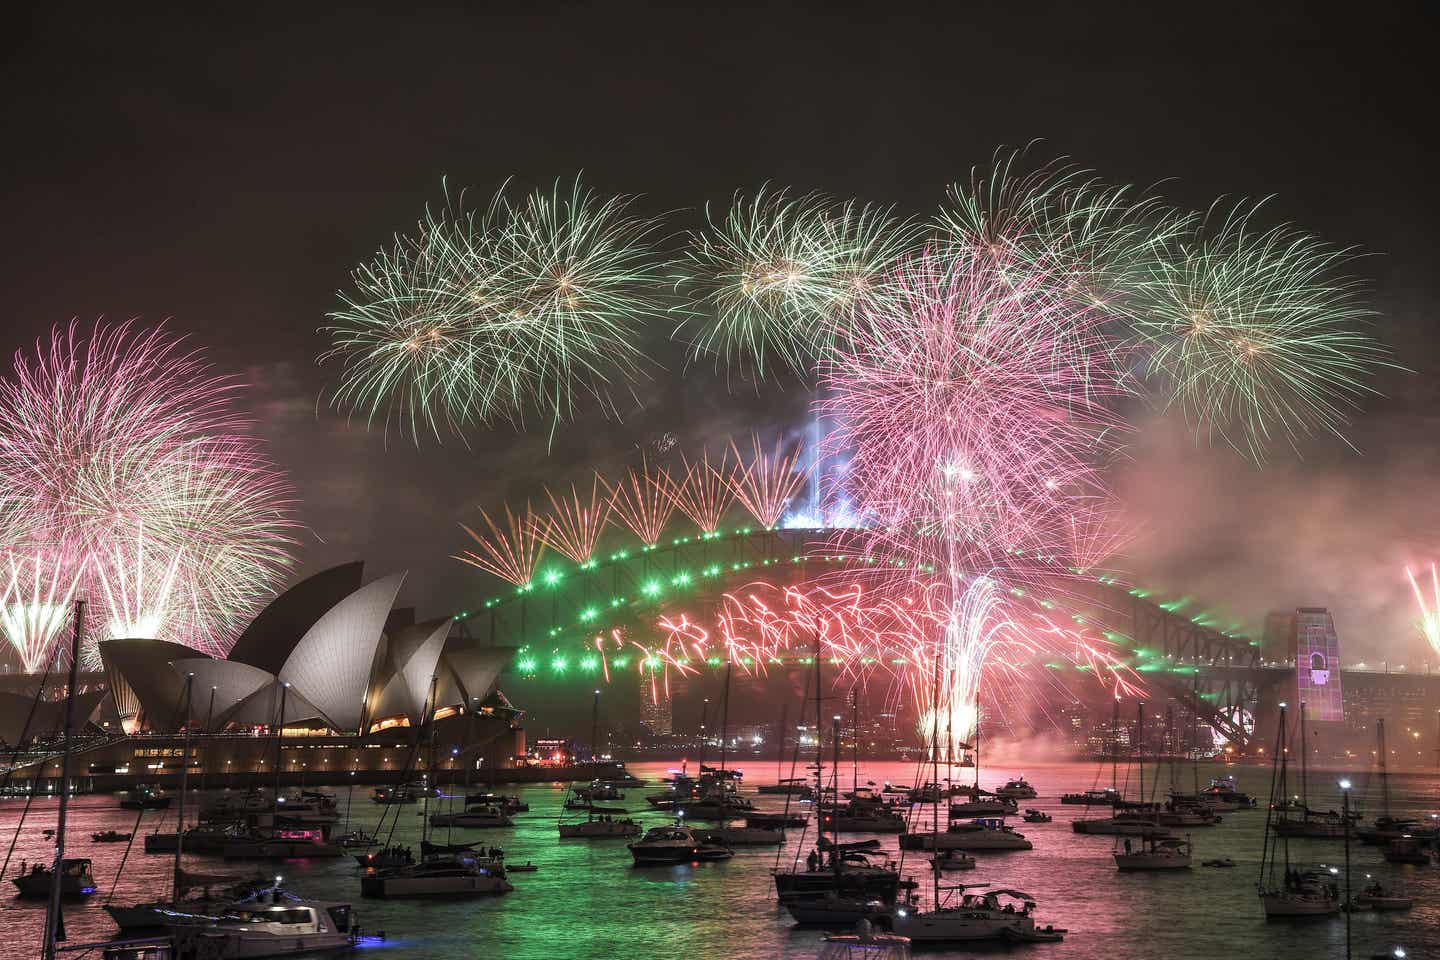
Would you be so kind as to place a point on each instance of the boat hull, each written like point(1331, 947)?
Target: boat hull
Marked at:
point(1145, 861)
point(1285, 905)
point(392, 888)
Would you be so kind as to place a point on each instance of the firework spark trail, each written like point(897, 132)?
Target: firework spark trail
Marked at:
point(910, 630)
point(531, 307)
point(776, 279)
point(574, 525)
point(1429, 622)
point(509, 552)
point(642, 503)
point(111, 436)
point(766, 483)
point(704, 493)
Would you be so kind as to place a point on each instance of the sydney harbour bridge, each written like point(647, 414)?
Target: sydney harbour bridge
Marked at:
point(1177, 653)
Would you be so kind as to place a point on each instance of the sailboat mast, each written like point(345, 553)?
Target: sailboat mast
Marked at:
point(184, 785)
point(855, 735)
point(428, 719)
point(819, 750)
point(1304, 765)
point(595, 728)
point(977, 741)
point(1384, 779)
point(724, 728)
point(935, 777)
point(53, 921)
point(1140, 747)
point(1115, 747)
point(279, 733)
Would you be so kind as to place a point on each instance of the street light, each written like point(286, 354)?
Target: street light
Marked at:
point(1345, 815)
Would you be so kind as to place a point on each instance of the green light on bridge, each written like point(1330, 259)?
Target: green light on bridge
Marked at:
point(525, 665)
point(590, 664)
point(588, 614)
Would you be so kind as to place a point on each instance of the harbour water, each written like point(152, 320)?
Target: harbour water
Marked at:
point(587, 900)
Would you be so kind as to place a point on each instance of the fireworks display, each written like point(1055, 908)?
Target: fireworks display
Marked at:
point(777, 278)
point(1253, 333)
point(525, 310)
point(510, 550)
point(134, 482)
point(766, 483)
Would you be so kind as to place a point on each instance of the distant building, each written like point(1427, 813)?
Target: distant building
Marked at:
point(655, 713)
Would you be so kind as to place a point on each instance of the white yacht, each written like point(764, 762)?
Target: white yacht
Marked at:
point(1153, 854)
point(477, 816)
point(1017, 789)
point(992, 915)
point(982, 834)
point(675, 844)
point(267, 929)
point(453, 875)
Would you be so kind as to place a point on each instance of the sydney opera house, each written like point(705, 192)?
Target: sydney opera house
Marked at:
point(331, 664)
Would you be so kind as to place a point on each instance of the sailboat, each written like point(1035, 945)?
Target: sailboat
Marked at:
point(1128, 819)
point(1153, 853)
point(1290, 892)
point(1387, 828)
point(1311, 824)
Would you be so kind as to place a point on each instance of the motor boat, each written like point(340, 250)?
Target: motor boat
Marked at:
point(865, 944)
point(599, 828)
point(992, 915)
point(981, 834)
point(984, 807)
point(484, 815)
point(598, 791)
point(76, 881)
point(846, 873)
point(742, 836)
point(952, 860)
point(236, 806)
point(284, 925)
point(1036, 816)
point(1305, 894)
point(1091, 798)
point(1153, 854)
point(1224, 790)
point(674, 844)
point(1017, 789)
point(825, 843)
point(110, 836)
point(1377, 896)
point(307, 807)
point(1386, 829)
point(1222, 862)
point(452, 875)
point(1407, 850)
point(145, 796)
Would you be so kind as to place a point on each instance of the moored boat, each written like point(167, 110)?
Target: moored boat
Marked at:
point(453, 875)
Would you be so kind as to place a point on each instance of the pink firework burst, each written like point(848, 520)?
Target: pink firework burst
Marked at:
point(574, 524)
point(970, 405)
point(124, 444)
point(704, 493)
point(767, 482)
point(509, 551)
point(642, 502)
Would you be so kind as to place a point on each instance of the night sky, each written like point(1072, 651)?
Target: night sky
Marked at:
point(227, 173)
